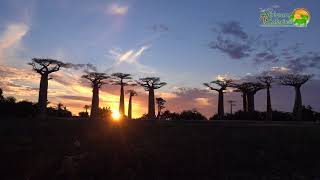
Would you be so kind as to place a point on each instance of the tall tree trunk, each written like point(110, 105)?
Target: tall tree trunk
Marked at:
point(95, 102)
point(297, 109)
point(130, 107)
point(220, 105)
point(244, 102)
point(269, 109)
point(159, 112)
point(121, 105)
point(250, 97)
point(43, 96)
point(151, 106)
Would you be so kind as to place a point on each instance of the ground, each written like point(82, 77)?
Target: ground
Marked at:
point(92, 150)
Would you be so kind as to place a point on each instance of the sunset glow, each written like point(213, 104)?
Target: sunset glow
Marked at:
point(115, 115)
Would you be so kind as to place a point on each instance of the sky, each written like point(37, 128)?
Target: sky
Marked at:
point(185, 43)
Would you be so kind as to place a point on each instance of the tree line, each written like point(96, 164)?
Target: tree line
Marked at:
point(248, 89)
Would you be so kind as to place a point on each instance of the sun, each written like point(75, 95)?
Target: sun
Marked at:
point(115, 115)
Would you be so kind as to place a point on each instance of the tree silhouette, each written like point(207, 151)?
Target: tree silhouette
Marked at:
point(97, 80)
point(267, 81)
point(131, 94)
point(253, 88)
point(150, 84)
point(244, 89)
point(223, 84)
point(119, 79)
point(160, 103)
point(44, 67)
point(1, 95)
point(296, 81)
point(86, 107)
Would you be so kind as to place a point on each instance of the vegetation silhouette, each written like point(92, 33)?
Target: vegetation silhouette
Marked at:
point(25, 109)
point(296, 81)
point(267, 81)
point(150, 84)
point(160, 103)
point(223, 84)
point(131, 94)
point(120, 79)
point(44, 67)
point(97, 80)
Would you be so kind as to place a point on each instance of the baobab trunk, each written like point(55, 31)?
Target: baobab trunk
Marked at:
point(130, 108)
point(159, 112)
point(95, 102)
point(250, 97)
point(43, 97)
point(220, 105)
point(121, 106)
point(297, 109)
point(151, 106)
point(244, 102)
point(269, 109)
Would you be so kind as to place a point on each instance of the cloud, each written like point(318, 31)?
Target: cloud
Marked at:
point(128, 61)
point(117, 9)
point(202, 101)
point(159, 28)
point(265, 56)
point(12, 36)
point(85, 67)
point(129, 56)
point(233, 28)
point(235, 49)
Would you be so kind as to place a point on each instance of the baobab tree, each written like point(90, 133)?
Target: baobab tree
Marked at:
point(150, 84)
point(253, 88)
point(267, 81)
point(160, 104)
point(223, 84)
point(296, 81)
point(244, 89)
point(44, 67)
point(97, 80)
point(131, 94)
point(121, 79)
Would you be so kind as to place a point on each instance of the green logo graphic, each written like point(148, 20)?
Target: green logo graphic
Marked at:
point(300, 17)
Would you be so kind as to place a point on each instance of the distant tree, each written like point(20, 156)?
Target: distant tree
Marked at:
point(244, 89)
point(160, 103)
point(97, 80)
point(59, 106)
point(83, 114)
point(44, 67)
point(1, 96)
point(104, 113)
point(191, 115)
point(267, 81)
point(167, 115)
point(150, 84)
point(222, 86)
point(122, 80)
point(131, 94)
point(254, 87)
point(11, 100)
point(86, 107)
point(296, 81)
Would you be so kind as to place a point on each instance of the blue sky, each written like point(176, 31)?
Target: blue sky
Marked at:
point(166, 38)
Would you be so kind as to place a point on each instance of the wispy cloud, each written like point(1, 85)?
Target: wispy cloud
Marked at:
point(129, 56)
point(11, 37)
point(117, 9)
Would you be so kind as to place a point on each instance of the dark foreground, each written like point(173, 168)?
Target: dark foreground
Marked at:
point(74, 149)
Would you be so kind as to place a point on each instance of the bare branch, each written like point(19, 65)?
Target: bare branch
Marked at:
point(295, 80)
